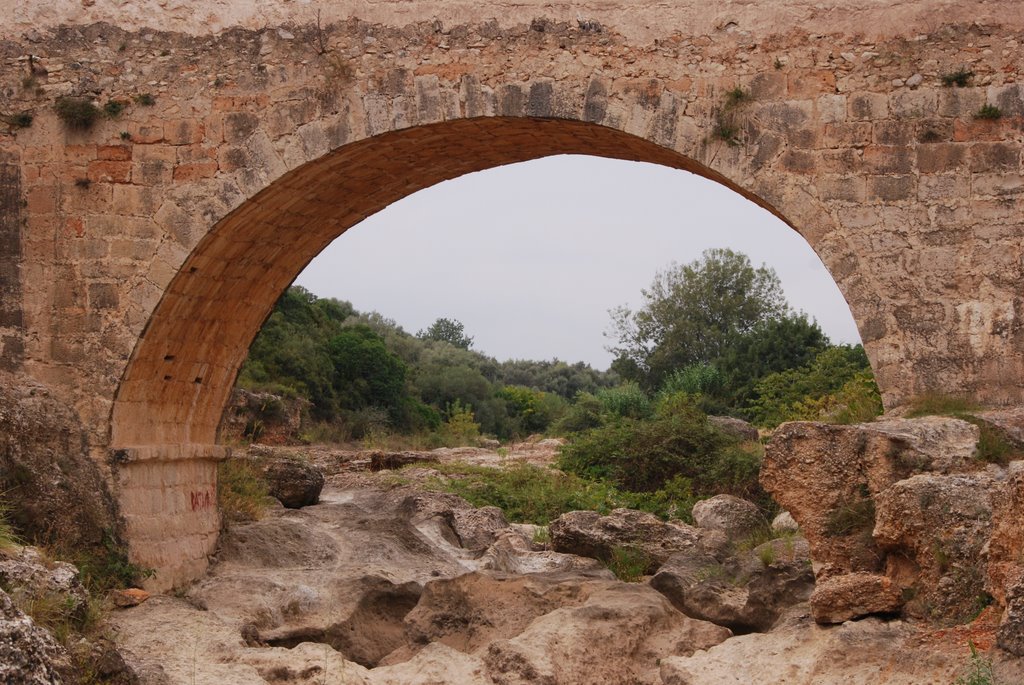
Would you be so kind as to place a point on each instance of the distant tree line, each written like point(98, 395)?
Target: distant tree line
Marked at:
point(717, 330)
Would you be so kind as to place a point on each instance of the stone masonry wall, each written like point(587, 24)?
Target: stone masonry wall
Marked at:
point(153, 243)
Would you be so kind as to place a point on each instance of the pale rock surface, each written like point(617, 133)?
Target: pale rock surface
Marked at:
point(618, 634)
point(798, 652)
point(588, 534)
point(935, 527)
point(28, 654)
point(738, 428)
point(744, 593)
point(784, 523)
point(733, 516)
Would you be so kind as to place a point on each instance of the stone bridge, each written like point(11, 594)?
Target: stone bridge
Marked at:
point(142, 251)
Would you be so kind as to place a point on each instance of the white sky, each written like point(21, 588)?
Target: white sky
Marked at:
point(531, 256)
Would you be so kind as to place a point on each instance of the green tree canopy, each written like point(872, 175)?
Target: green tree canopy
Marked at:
point(694, 313)
point(448, 330)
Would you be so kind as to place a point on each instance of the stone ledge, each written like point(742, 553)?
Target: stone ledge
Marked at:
point(127, 455)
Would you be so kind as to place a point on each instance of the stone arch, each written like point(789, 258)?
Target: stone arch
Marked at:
point(186, 360)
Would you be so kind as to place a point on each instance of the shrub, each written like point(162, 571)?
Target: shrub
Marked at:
point(77, 113)
point(627, 400)
point(17, 120)
point(583, 414)
point(460, 428)
point(646, 456)
point(959, 78)
point(8, 539)
point(145, 99)
point(852, 517)
point(242, 492)
point(532, 494)
point(114, 108)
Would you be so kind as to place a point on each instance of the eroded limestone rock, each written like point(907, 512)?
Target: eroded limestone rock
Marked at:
point(28, 654)
point(934, 528)
point(735, 517)
point(587, 533)
point(841, 598)
point(745, 593)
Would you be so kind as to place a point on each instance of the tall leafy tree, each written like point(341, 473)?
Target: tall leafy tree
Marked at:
point(694, 313)
point(448, 330)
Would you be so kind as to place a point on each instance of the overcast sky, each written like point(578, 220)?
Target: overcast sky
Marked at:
point(531, 256)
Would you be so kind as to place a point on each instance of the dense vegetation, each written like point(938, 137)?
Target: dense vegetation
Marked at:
point(716, 330)
point(714, 336)
point(363, 374)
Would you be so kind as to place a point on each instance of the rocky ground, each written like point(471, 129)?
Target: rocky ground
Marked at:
point(385, 582)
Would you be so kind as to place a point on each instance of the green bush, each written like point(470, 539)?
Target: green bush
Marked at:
point(678, 441)
point(77, 113)
point(531, 494)
point(626, 400)
point(583, 414)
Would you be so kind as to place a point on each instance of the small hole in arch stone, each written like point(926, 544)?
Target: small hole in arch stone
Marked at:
point(167, 378)
point(169, 358)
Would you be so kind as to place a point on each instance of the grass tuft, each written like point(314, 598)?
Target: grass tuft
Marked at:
point(242, 492)
point(628, 564)
point(990, 112)
point(850, 518)
point(17, 120)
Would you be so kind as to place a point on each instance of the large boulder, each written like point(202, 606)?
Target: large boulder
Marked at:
point(512, 552)
point(735, 517)
point(564, 647)
point(262, 416)
point(933, 529)
point(841, 598)
point(543, 628)
point(799, 652)
point(54, 491)
point(737, 428)
point(28, 573)
point(28, 654)
point(294, 482)
point(588, 534)
point(746, 593)
point(827, 476)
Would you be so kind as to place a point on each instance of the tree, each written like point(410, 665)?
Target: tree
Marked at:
point(450, 331)
point(366, 374)
point(694, 313)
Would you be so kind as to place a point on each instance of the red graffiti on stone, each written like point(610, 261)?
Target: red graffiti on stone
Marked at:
point(201, 500)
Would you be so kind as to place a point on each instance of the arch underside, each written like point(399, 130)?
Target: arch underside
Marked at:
point(185, 363)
